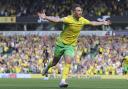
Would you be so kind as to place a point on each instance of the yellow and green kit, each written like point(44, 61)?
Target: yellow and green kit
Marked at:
point(67, 40)
point(125, 64)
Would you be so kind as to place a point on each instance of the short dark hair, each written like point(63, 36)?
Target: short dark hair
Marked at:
point(74, 6)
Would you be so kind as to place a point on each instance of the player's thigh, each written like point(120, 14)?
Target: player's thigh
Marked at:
point(125, 68)
point(58, 52)
point(69, 53)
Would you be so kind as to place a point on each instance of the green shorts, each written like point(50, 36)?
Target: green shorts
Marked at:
point(64, 49)
point(125, 68)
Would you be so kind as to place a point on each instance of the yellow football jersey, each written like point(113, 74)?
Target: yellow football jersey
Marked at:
point(125, 60)
point(71, 30)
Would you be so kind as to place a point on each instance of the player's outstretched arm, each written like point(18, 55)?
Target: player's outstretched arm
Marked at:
point(49, 18)
point(96, 23)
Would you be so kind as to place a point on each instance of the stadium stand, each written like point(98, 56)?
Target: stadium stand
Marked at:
point(61, 7)
point(26, 54)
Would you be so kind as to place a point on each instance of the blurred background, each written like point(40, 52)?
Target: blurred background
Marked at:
point(27, 41)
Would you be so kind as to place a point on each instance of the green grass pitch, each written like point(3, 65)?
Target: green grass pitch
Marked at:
point(53, 84)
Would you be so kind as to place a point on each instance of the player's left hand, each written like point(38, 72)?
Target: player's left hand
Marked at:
point(42, 15)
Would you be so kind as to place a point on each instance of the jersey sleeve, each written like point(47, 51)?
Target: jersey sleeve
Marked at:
point(86, 22)
point(126, 57)
point(66, 19)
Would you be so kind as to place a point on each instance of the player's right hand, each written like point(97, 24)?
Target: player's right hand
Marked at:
point(107, 22)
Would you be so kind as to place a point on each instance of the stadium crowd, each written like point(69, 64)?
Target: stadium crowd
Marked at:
point(7, 8)
point(62, 7)
point(94, 55)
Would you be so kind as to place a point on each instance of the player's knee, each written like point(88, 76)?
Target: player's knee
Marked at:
point(68, 60)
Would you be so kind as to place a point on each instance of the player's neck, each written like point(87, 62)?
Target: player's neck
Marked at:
point(76, 18)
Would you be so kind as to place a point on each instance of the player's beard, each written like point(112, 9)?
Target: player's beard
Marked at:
point(78, 16)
